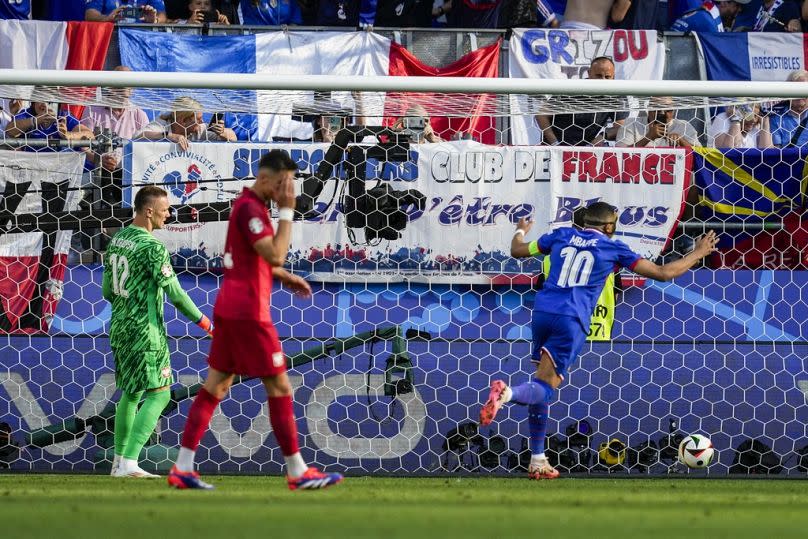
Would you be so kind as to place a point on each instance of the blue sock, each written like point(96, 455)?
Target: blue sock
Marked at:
point(537, 422)
point(536, 394)
point(531, 392)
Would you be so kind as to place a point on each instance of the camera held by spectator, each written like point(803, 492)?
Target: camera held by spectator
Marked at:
point(415, 122)
point(202, 12)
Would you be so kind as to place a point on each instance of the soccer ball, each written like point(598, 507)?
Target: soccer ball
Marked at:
point(696, 451)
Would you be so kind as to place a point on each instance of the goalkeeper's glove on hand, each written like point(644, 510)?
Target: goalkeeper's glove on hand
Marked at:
point(206, 324)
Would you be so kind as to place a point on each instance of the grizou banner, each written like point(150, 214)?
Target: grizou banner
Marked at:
point(540, 53)
point(475, 194)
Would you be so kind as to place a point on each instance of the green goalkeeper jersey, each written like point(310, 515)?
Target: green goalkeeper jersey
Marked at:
point(137, 274)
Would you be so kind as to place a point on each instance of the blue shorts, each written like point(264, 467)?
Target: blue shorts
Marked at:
point(562, 337)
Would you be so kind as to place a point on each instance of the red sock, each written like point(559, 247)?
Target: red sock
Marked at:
point(282, 417)
point(198, 419)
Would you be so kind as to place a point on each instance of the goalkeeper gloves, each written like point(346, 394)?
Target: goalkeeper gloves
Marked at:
point(206, 324)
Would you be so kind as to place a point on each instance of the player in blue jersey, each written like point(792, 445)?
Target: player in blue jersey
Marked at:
point(580, 262)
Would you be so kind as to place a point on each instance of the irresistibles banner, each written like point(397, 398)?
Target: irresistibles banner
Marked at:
point(475, 194)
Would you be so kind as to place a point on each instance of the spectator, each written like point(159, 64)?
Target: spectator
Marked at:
point(657, 128)
point(8, 109)
point(591, 14)
point(741, 127)
point(177, 10)
point(338, 13)
point(184, 125)
point(60, 10)
point(470, 13)
point(148, 11)
point(201, 11)
point(15, 9)
point(270, 12)
point(789, 120)
point(550, 12)
point(124, 121)
point(584, 129)
point(778, 16)
point(746, 18)
point(636, 14)
point(416, 119)
point(42, 121)
point(402, 13)
point(710, 17)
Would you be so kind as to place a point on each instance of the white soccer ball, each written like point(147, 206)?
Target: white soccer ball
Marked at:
point(696, 451)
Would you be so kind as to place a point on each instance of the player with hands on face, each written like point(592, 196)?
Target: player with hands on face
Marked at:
point(246, 342)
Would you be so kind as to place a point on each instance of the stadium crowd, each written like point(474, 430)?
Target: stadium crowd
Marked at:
point(674, 15)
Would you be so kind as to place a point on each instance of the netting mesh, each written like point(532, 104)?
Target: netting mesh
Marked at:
point(417, 303)
point(363, 103)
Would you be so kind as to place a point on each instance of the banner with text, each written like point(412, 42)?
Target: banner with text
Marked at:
point(475, 194)
point(32, 264)
point(540, 53)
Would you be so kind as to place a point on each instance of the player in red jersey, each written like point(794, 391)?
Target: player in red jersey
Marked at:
point(245, 341)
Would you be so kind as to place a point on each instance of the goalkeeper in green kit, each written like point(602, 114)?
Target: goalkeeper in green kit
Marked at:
point(137, 273)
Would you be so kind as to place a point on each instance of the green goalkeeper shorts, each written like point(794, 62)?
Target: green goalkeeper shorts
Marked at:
point(139, 371)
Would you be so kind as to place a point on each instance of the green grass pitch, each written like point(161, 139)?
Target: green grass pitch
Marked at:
point(66, 506)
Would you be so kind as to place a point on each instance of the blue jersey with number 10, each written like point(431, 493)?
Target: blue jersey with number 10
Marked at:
point(580, 262)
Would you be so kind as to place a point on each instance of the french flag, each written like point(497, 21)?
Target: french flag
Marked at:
point(304, 53)
point(54, 45)
point(753, 56)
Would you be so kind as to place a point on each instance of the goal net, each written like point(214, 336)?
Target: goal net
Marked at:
point(409, 195)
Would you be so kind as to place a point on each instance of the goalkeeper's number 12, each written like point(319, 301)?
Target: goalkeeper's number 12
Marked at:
point(120, 265)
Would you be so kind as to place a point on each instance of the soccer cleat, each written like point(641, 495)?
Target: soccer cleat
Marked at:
point(313, 479)
point(134, 473)
point(542, 470)
point(493, 404)
point(187, 480)
point(116, 461)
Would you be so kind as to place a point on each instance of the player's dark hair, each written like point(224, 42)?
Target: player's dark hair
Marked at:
point(277, 160)
point(146, 194)
point(601, 59)
point(578, 217)
point(599, 214)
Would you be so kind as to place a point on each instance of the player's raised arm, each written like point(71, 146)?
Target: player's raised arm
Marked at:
point(665, 272)
point(166, 278)
point(519, 247)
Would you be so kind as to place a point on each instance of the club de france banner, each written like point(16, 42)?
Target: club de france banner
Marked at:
point(475, 194)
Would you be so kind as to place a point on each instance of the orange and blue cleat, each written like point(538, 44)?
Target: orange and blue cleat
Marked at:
point(493, 404)
point(187, 480)
point(313, 479)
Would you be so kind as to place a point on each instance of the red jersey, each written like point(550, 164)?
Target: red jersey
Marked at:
point(247, 283)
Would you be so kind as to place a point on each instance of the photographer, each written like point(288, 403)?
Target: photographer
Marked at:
point(201, 12)
point(146, 11)
point(741, 127)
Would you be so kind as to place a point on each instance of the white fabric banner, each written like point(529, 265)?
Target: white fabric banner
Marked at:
point(314, 53)
point(646, 185)
point(474, 196)
point(566, 54)
point(34, 171)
